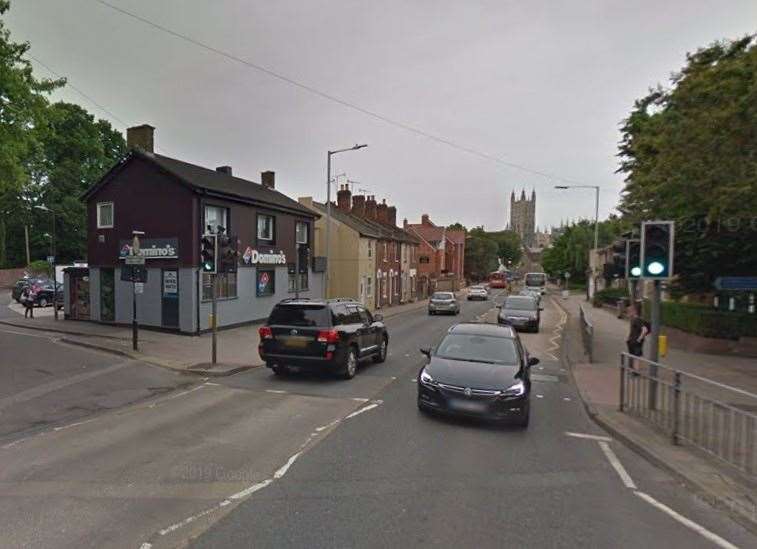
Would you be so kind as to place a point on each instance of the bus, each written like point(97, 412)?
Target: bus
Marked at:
point(536, 282)
point(498, 279)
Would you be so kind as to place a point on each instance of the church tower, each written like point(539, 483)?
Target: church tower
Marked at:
point(523, 216)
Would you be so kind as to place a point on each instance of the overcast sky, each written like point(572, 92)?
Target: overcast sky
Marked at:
point(543, 84)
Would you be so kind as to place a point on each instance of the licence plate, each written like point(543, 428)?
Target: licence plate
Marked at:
point(467, 406)
point(297, 342)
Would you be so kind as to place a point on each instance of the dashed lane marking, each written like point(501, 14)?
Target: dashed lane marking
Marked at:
point(585, 435)
point(617, 465)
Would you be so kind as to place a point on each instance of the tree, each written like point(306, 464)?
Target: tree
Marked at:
point(457, 226)
point(570, 251)
point(22, 106)
point(688, 154)
point(480, 256)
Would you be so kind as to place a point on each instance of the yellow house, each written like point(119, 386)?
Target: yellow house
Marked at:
point(352, 266)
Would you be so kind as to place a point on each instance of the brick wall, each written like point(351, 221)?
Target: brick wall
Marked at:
point(8, 277)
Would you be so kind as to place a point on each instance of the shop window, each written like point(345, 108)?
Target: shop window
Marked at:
point(227, 286)
point(265, 283)
point(303, 282)
point(216, 216)
point(266, 228)
point(105, 215)
point(301, 228)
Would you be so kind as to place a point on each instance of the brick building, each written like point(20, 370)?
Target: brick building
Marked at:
point(441, 255)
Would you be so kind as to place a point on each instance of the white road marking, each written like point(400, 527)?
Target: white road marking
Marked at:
point(75, 424)
point(145, 546)
point(358, 399)
point(585, 435)
point(211, 383)
point(414, 380)
point(539, 396)
point(617, 465)
point(281, 471)
point(701, 530)
point(324, 427)
point(361, 410)
point(277, 391)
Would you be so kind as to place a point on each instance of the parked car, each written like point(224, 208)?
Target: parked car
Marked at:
point(521, 312)
point(477, 292)
point(443, 302)
point(18, 288)
point(46, 294)
point(323, 335)
point(478, 370)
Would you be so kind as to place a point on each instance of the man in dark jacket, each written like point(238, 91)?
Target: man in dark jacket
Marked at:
point(637, 333)
point(28, 297)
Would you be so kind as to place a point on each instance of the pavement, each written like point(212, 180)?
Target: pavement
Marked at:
point(237, 347)
point(598, 384)
point(258, 460)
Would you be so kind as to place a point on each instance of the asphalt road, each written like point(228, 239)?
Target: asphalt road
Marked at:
point(310, 461)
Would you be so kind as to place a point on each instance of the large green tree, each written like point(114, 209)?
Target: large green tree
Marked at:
point(689, 153)
point(22, 109)
point(570, 251)
point(482, 249)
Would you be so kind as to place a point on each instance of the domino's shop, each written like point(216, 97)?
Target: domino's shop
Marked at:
point(173, 203)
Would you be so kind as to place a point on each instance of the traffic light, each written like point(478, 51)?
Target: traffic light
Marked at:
point(657, 249)
point(228, 254)
point(209, 253)
point(633, 259)
point(617, 269)
point(303, 257)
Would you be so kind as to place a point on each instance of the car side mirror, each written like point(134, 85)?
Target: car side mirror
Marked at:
point(541, 308)
point(378, 317)
point(426, 351)
point(533, 361)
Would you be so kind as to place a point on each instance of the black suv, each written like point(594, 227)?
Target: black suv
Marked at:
point(319, 334)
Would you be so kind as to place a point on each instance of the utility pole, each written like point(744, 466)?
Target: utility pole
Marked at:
point(26, 238)
point(214, 344)
point(654, 346)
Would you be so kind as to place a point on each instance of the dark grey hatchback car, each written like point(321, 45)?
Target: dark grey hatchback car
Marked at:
point(478, 370)
point(322, 335)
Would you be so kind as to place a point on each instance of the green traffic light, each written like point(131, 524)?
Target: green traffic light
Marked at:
point(655, 268)
point(636, 271)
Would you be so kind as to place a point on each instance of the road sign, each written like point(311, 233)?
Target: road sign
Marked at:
point(133, 273)
point(135, 260)
point(139, 288)
point(51, 259)
point(736, 283)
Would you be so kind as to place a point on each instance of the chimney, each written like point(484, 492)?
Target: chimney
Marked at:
point(142, 137)
point(224, 169)
point(268, 179)
point(358, 205)
point(426, 221)
point(381, 212)
point(343, 196)
point(370, 208)
point(391, 216)
point(405, 224)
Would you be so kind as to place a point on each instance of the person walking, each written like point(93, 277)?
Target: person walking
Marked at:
point(29, 296)
point(639, 329)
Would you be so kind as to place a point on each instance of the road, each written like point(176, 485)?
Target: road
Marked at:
point(309, 461)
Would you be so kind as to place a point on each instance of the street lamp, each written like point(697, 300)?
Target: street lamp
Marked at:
point(52, 254)
point(596, 207)
point(328, 214)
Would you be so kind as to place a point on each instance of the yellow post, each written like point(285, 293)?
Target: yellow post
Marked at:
point(211, 321)
point(662, 345)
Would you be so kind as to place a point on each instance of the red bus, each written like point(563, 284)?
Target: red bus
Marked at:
point(498, 280)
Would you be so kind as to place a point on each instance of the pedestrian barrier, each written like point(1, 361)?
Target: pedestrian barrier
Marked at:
point(715, 418)
point(587, 334)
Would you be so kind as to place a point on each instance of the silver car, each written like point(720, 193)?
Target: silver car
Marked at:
point(443, 302)
point(477, 292)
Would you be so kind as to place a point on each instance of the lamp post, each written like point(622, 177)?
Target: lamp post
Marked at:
point(590, 287)
point(52, 254)
point(328, 214)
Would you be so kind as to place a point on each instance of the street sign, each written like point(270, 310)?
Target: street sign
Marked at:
point(133, 273)
point(139, 288)
point(51, 259)
point(736, 283)
point(135, 260)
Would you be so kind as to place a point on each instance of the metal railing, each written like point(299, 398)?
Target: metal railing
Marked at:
point(713, 417)
point(587, 333)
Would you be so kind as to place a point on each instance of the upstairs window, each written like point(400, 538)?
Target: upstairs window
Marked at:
point(266, 228)
point(301, 228)
point(105, 215)
point(216, 216)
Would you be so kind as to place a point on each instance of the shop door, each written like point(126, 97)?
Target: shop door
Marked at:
point(170, 298)
point(80, 298)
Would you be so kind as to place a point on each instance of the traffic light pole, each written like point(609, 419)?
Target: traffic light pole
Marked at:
point(214, 290)
point(654, 347)
point(134, 324)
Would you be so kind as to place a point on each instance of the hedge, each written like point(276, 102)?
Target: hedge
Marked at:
point(609, 296)
point(39, 267)
point(706, 321)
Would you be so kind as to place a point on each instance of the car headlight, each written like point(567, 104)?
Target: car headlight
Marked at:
point(515, 390)
point(427, 379)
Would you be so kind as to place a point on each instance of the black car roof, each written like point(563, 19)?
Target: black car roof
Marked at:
point(320, 301)
point(482, 328)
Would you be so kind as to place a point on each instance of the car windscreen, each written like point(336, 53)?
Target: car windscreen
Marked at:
point(520, 303)
point(442, 295)
point(478, 348)
point(536, 280)
point(300, 315)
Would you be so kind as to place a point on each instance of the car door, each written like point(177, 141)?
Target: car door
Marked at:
point(372, 330)
point(361, 332)
point(525, 368)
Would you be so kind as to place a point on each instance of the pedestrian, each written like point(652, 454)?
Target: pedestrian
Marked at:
point(28, 297)
point(639, 328)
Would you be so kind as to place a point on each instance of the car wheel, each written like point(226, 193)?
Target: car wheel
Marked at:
point(280, 369)
point(381, 356)
point(42, 302)
point(350, 364)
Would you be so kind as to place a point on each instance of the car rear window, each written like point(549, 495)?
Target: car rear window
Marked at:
point(442, 295)
point(300, 315)
point(523, 303)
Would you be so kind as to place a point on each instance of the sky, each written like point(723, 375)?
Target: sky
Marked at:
point(543, 85)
